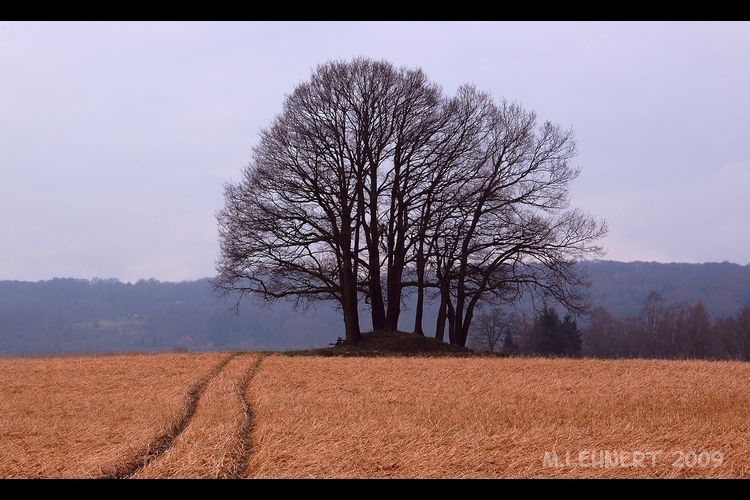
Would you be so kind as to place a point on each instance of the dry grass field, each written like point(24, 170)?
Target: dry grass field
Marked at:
point(222, 415)
point(496, 417)
point(213, 445)
point(91, 416)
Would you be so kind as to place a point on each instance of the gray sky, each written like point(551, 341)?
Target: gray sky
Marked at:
point(116, 138)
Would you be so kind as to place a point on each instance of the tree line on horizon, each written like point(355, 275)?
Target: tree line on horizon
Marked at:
point(371, 185)
point(89, 316)
point(511, 332)
point(660, 330)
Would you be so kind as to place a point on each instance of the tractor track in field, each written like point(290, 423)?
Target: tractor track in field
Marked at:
point(161, 444)
point(247, 431)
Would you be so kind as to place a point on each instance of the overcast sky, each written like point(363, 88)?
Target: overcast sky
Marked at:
point(116, 138)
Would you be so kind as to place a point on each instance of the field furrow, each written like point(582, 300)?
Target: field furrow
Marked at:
point(250, 415)
point(215, 442)
point(164, 442)
point(89, 416)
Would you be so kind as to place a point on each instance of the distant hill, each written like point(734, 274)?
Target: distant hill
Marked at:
point(74, 315)
point(622, 287)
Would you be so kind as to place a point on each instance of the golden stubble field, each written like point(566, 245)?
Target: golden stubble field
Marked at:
point(222, 415)
point(214, 443)
point(91, 416)
point(490, 417)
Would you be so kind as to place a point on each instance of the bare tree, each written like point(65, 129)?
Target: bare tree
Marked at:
point(438, 192)
point(290, 227)
point(493, 328)
point(510, 229)
point(489, 330)
point(698, 332)
point(419, 133)
point(602, 335)
point(370, 171)
point(733, 335)
point(653, 316)
point(326, 206)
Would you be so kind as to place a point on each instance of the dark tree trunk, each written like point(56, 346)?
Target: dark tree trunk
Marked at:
point(349, 306)
point(462, 333)
point(351, 323)
point(465, 324)
point(420, 297)
point(420, 269)
point(457, 319)
point(451, 312)
point(348, 281)
point(440, 325)
point(394, 293)
point(396, 244)
point(394, 305)
point(377, 306)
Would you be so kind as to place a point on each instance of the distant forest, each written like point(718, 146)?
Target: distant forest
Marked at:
point(95, 316)
point(660, 330)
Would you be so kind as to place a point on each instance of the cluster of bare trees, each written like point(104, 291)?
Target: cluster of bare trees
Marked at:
point(372, 184)
point(512, 332)
point(664, 330)
point(660, 330)
point(494, 330)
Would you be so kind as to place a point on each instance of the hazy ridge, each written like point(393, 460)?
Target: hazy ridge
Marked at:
point(76, 315)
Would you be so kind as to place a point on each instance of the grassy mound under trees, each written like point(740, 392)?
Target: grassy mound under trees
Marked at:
point(392, 344)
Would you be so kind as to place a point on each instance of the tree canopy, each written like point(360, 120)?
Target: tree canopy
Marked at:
point(371, 184)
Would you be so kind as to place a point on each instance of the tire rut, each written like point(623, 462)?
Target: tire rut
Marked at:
point(161, 444)
point(247, 431)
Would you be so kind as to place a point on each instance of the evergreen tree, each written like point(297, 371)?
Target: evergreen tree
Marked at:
point(553, 337)
point(546, 331)
point(570, 337)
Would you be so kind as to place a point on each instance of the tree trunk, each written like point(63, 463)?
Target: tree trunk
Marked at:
point(451, 312)
point(394, 294)
point(440, 325)
point(396, 235)
point(394, 306)
point(466, 324)
point(351, 324)
point(349, 306)
point(462, 334)
point(420, 303)
point(348, 283)
point(377, 306)
point(457, 319)
point(419, 268)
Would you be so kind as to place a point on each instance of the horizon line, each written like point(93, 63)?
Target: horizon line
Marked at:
point(118, 280)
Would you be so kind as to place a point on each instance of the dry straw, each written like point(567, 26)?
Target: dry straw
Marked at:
point(91, 416)
point(490, 417)
point(214, 443)
point(184, 415)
